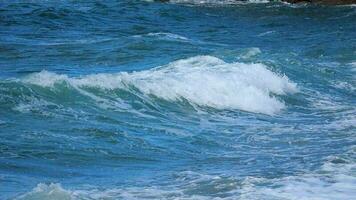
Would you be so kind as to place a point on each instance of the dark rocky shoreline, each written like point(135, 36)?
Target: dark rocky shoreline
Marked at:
point(327, 2)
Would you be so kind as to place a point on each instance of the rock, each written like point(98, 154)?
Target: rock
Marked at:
point(327, 2)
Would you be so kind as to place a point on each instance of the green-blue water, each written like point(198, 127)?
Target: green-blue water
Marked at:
point(147, 100)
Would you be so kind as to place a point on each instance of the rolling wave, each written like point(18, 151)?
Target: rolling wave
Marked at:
point(201, 80)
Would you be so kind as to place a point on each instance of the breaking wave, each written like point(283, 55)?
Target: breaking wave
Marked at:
point(201, 80)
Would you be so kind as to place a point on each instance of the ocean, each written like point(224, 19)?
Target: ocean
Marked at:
point(132, 99)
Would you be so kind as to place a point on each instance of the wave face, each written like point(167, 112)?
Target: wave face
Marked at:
point(202, 80)
point(172, 100)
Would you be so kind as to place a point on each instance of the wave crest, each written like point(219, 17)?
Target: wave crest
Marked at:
point(201, 80)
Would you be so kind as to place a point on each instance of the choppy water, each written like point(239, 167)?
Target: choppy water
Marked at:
point(181, 100)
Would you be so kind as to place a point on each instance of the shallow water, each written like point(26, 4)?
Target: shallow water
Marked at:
point(181, 100)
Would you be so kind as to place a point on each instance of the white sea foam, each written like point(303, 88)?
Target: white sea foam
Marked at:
point(168, 36)
point(33, 105)
point(174, 37)
point(345, 85)
point(201, 80)
point(164, 36)
point(251, 52)
point(338, 184)
point(335, 180)
point(353, 65)
point(266, 33)
point(56, 192)
point(340, 187)
point(44, 191)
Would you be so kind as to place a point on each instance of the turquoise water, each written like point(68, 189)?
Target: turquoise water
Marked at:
point(181, 100)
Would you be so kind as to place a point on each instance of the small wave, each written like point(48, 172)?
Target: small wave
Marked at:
point(167, 35)
point(44, 191)
point(164, 36)
point(55, 191)
point(266, 33)
point(175, 37)
point(353, 65)
point(201, 80)
point(251, 52)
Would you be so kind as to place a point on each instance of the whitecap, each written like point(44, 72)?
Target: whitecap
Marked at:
point(251, 52)
point(164, 36)
point(168, 35)
point(353, 65)
point(201, 80)
point(43, 191)
point(266, 33)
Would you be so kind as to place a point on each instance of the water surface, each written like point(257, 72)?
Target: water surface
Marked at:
point(181, 100)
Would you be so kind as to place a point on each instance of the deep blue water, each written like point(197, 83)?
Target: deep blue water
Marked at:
point(147, 100)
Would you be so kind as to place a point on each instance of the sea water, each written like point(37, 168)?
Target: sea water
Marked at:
point(179, 100)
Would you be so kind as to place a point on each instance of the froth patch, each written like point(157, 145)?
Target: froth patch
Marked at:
point(353, 64)
point(45, 78)
point(164, 36)
point(44, 191)
point(209, 81)
point(201, 80)
point(334, 181)
point(251, 52)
